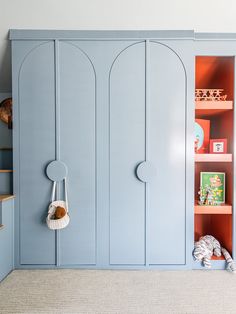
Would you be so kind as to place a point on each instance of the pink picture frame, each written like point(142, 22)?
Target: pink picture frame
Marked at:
point(218, 146)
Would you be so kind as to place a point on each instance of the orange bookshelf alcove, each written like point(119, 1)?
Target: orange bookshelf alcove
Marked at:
point(216, 72)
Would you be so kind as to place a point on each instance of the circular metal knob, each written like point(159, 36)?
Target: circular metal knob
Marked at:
point(146, 171)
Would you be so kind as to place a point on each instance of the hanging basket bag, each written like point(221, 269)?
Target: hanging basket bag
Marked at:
point(56, 224)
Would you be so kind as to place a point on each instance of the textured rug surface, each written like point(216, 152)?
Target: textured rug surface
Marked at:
point(108, 292)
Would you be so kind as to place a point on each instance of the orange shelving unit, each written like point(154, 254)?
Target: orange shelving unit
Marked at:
point(213, 72)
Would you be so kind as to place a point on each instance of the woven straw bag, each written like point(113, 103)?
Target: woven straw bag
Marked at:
point(56, 224)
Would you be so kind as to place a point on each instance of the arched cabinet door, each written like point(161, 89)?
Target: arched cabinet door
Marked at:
point(166, 151)
point(127, 150)
point(36, 133)
point(77, 131)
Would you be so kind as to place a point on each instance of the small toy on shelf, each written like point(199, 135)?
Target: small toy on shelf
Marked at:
point(208, 246)
point(207, 196)
point(210, 196)
point(202, 196)
point(6, 112)
point(211, 94)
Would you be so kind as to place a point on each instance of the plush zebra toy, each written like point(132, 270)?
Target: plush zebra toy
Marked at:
point(206, 247)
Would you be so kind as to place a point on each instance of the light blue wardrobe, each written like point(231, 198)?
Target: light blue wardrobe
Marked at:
point(6, 235)
point(117, 109)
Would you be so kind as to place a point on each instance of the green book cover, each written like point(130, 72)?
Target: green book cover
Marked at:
point(216, 180)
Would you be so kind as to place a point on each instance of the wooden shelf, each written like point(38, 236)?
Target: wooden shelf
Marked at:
point(5, 197)
point(209, 108)
point(218, 209)
point(213, 157)
point(6, 170)
point(214, 105)
point(217, 258)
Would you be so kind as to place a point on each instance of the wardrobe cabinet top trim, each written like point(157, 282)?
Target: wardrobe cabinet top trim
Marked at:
point(26, 34)
point(215, 36)
point(41, 34)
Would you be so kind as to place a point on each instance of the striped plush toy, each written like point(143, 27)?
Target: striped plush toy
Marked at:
point(206, 247)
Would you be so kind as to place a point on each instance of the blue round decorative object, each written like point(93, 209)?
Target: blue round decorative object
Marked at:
point(146, 171)
point(56, 170)
point(199, 135)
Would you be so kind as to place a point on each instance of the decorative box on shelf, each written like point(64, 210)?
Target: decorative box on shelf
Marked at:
point(218, 146)
point(211, 94)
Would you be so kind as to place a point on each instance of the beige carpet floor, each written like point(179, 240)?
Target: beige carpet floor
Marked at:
point(108, 292)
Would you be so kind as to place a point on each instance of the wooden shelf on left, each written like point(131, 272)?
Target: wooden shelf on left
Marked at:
point(6, 170)
point(5, 148)
point(5, 197)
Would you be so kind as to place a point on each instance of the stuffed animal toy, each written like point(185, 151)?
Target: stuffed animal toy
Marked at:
point(206, 247)
point(6, 111)
point(60, 212)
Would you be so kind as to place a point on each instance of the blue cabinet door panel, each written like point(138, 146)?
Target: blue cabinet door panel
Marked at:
point(37, 148)
point(78, 150)
point(127, 149)
point(166, 143)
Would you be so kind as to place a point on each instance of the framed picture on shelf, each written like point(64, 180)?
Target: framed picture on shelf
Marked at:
point(218, 146)
point(202, 136)
point(215, 183)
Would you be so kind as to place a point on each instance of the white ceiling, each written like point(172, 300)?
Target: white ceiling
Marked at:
point(201, 15)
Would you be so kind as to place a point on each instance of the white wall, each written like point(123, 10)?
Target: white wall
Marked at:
point(200, 15)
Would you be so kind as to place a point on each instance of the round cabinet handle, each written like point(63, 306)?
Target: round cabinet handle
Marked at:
point(146, 171)
point(56, 170)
